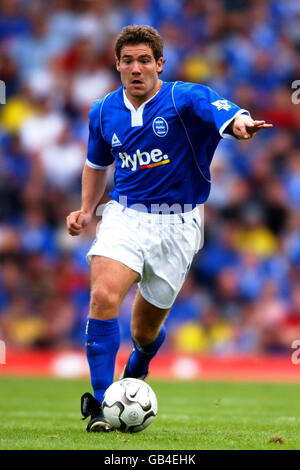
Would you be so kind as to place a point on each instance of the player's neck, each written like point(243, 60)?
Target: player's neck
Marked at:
point(137, 101)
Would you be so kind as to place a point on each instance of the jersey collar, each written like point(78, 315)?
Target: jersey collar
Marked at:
point(137, 114)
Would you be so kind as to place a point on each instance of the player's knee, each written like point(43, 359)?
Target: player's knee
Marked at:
point(104, 301)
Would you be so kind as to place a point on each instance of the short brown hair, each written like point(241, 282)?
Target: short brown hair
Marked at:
point(137, 34)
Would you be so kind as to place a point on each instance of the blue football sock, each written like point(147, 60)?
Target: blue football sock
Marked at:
point(141, 357)
point(102, 344)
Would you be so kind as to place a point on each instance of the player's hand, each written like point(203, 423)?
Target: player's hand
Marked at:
point(244, 127)
point(76, 221)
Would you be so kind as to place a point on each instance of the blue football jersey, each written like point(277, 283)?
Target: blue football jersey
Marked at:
point(163, 150)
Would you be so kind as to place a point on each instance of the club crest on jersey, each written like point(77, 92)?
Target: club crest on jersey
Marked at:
point(143, 160)
point(160, 126)
point(115, 141)
point(222, 104)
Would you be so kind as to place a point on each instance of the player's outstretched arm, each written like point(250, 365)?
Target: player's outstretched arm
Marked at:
point(93, 187)
point(244, 127)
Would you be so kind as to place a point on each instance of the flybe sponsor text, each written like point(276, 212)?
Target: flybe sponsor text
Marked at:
point(142, 159)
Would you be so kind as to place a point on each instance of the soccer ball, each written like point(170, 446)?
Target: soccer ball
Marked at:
point(129, 405)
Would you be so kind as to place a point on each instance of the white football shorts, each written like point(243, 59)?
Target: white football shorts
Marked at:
point(159, 247)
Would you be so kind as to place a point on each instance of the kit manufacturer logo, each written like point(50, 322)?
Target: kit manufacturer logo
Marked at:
point(115, 141)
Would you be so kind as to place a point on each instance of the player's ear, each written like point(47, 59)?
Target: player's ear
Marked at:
point(159, 65)
point(117, 64)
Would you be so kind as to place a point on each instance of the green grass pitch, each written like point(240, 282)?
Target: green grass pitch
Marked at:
point(44, 414)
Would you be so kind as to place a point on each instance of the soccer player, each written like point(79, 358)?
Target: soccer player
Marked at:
point(161, 137)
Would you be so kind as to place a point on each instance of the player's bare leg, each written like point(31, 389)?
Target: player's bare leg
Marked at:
point(148, 334)
point(146, 320)
point(110, 282)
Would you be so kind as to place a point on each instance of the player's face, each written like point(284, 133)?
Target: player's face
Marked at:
point(139, 71)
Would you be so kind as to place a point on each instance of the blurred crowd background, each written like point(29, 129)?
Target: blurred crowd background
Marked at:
point(57, 56)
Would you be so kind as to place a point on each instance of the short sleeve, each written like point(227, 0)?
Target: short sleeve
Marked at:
point(214, 110)
point(99, 155)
